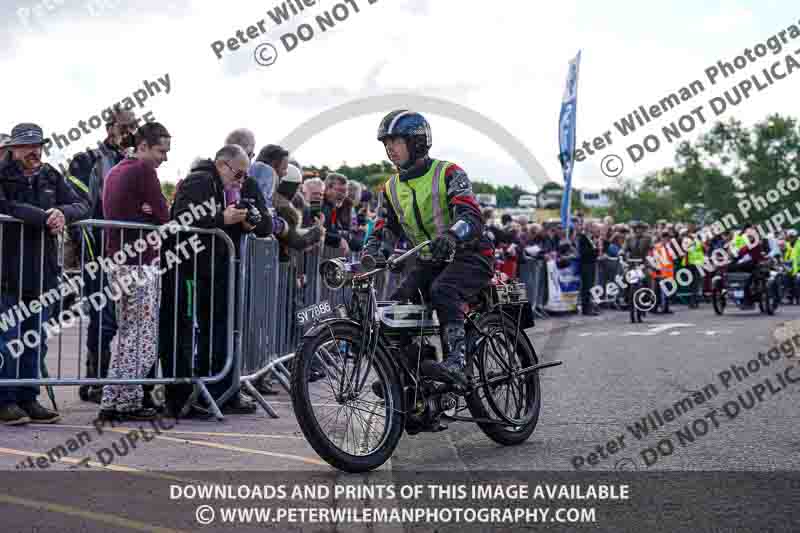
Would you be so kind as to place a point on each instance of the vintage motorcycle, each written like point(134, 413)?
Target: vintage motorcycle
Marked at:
point(764, 288)
point(639, 296)
point(373, 388)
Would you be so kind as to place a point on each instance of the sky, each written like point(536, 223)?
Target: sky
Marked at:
point(66, 60)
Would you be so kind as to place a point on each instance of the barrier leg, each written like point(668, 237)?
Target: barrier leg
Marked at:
point(212, 405)
point(192, 399)
point(282, 375)
point(260, 399)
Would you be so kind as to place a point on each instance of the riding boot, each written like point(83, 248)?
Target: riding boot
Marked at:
point(451, 370)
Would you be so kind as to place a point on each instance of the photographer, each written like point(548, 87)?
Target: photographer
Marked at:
point(337, 214)
point(313, 195)
point(295, 238)
point(240, 210)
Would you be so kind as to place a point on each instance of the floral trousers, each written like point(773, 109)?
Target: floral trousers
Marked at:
point(138, 289)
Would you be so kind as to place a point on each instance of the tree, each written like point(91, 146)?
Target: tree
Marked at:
point(725, 166)
point(479, 187)
point(167, 189)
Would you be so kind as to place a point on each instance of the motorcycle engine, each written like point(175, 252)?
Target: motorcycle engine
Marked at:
point(427, 411)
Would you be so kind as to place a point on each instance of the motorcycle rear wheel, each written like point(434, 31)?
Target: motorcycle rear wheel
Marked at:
point(483, 362)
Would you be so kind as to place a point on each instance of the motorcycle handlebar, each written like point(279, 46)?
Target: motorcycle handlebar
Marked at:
point(370, 262)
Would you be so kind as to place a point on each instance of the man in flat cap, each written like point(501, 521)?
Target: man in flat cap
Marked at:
point(39, 196)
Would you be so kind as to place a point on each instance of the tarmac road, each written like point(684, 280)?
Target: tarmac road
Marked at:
point(614, 374)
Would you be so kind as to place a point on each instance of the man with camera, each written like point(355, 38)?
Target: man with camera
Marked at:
point(337, 214)
point(240, 209)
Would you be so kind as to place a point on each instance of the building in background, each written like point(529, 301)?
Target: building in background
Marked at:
point(595, 199)
point(486, 200)
point(549, 196)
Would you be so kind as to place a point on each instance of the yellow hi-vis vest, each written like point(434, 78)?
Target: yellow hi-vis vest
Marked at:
point(429, 192)
point(83, 188)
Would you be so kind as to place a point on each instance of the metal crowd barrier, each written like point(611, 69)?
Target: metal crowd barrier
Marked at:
point(65, 319)
point(608, 268)
point(272, 292)
point(533, 272)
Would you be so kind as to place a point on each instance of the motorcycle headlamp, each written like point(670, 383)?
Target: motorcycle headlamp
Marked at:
point(335, 273)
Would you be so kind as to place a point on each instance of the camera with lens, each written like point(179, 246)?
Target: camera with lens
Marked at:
point(253, 214)
point(314, 209)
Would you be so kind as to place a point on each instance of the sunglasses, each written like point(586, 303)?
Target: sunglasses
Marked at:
point(238, 175)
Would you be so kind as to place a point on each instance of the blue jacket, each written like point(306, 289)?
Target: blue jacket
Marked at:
point(265, 178)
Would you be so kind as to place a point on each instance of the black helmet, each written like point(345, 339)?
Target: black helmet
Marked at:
point(637, 224)
point(412, 127)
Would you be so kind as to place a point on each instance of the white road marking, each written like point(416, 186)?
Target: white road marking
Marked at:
point(655, 330)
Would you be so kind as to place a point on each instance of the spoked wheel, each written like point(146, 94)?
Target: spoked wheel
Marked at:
point(632, 308)
point(719, 299)
point(767, 303)
point(346, 423)
point(503, 396)
point(636, 313)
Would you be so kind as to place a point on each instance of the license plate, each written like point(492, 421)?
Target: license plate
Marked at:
point(313, 313)
point(738, 294)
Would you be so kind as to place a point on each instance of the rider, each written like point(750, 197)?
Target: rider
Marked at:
point(431, 199)
point(639, 245)
point(792, 256)
point(748, 258)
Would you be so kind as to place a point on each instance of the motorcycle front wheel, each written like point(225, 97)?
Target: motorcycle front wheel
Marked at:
point(341, 415)
point(719, 300)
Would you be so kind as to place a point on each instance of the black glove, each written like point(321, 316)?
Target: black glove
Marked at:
point(444, 248)
point(395, 268)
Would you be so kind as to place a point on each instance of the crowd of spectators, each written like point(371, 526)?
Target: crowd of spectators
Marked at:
point(149, 321)
point(595, 247)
